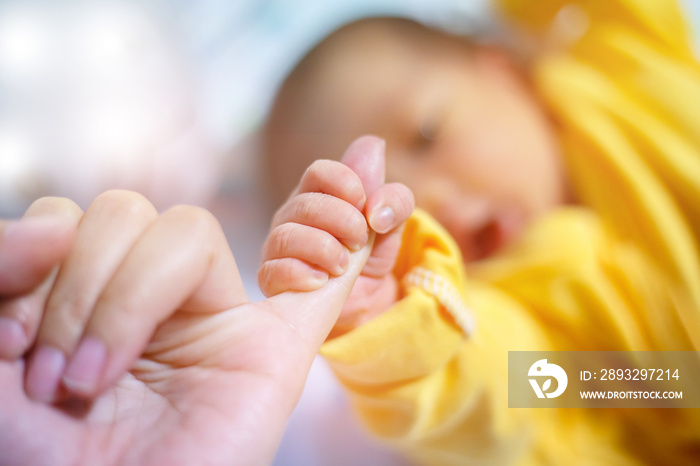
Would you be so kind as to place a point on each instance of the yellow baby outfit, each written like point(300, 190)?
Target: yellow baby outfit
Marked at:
point(619, 271)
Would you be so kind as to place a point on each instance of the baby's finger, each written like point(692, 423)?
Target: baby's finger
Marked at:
point(289, 274)
point(326, 213)
point(311, 245)
point(389, 206)
point(108, 230)
point(333, 178)
point(29, 254)
point(182, 262)
point(365, 157)
point(387, 210)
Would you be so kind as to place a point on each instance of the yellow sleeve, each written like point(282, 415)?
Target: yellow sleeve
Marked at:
point(408, 372)
point(624, 92)
point(430, 375)
point(662, 22)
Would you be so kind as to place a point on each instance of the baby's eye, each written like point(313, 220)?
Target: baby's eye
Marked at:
point(424, 136)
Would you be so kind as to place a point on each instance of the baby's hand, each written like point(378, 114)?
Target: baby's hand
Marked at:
point(328, 215)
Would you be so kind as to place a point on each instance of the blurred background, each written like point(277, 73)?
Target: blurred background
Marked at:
point(152, 95)
point(164, 97)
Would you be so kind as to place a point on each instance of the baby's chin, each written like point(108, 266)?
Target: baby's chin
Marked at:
point(492, 237)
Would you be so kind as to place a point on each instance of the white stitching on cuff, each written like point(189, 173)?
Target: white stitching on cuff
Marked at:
point(445, 293)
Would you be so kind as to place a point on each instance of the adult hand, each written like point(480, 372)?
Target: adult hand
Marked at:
point(126, 337)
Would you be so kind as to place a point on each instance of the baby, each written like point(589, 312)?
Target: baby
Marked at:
point(567, 184)
point(465, 132)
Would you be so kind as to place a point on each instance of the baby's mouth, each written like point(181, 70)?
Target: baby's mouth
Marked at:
point(491, 236)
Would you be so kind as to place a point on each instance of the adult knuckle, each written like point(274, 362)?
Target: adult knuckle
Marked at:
point(76, 310)
point(119, 202)
point(53, 205)
point(197, 220)
point(71, 308)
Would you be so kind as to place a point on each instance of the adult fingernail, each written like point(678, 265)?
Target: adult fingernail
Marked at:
point(85, 368)
point(382, 220)
point(44, 373)
point(13, 338)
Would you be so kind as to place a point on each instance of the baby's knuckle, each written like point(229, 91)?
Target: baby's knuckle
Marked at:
point(351, 185)
point(277, 274)
point(356, 224)
point(313, 174)
point(286, 274)
point(305, 207)
point(327, 248)
point(282, 236)
point(318, 169)
point(316, 166)
point(282, 213)
point(406, 200)
point(264, 278)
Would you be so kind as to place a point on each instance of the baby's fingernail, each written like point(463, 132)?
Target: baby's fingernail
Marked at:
point(343, 264)
point(382, 219)
point(13, 339)
point(354, 247)
point(318, 279)
point(44, 373)
point(85, 368)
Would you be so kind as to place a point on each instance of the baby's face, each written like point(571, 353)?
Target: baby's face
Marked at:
point(465, 134)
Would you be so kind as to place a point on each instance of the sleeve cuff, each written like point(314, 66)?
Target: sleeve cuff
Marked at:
point(424, 329)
